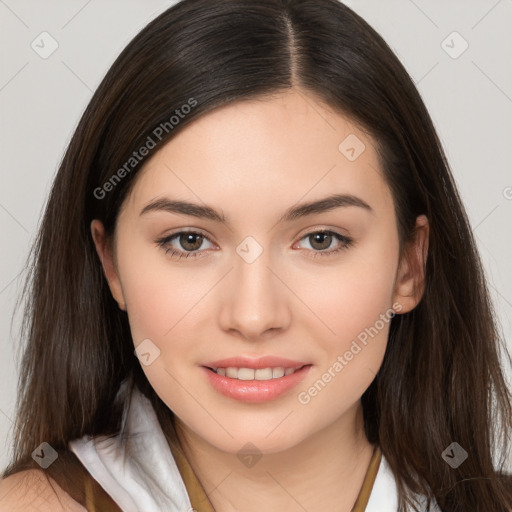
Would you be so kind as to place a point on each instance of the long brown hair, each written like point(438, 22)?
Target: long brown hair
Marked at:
point(441, 380)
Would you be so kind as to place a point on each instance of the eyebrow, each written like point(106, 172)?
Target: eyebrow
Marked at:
point(295, 212)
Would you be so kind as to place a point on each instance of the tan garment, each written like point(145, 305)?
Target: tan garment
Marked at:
point(369, 479)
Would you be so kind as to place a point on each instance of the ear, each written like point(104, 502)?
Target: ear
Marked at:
point(105, 253)
point(410, 278)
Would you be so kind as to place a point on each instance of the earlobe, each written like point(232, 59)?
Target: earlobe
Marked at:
point(105, 254)
point(410, 278)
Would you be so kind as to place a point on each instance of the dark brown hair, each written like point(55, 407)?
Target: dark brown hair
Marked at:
point(441, 379)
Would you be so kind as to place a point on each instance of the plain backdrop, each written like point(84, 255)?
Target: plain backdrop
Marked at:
point(456, 51)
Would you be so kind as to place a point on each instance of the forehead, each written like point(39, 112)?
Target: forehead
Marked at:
point(268, 153)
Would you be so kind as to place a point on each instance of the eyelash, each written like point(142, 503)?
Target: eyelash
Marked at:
point(346, 242)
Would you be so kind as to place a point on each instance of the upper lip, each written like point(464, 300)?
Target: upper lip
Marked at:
point(260, 362)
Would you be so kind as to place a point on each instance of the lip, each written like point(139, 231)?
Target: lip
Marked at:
point(260, 362)
point(254, 391)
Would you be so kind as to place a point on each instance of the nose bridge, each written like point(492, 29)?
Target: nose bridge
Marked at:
point(255, 301)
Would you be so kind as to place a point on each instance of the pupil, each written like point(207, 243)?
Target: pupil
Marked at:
point(318, 238)
point(189, 240)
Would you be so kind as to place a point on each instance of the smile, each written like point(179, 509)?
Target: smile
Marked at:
point(255, 374)
point(254, 385)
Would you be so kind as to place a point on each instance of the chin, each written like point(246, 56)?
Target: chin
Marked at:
point(255, 440)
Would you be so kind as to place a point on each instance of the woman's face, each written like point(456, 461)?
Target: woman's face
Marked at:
point(260, 283)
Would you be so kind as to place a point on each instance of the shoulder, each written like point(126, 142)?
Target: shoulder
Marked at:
point(33, 491)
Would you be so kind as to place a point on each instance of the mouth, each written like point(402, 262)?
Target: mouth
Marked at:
point(268, 373)
point(252, 384)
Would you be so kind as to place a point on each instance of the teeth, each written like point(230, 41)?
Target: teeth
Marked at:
point(245, 373)
point(232, 372)
point(262, 374)
point(259, 374)
point(277, 372)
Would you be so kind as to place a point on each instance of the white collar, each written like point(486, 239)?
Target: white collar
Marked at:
point(147, 477)
point(140, 474)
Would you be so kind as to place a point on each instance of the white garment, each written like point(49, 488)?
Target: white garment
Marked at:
point(148, 480)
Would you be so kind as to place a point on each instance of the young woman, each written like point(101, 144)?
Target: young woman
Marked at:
point(255, 286)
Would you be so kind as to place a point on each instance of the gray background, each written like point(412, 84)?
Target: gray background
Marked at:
point(41, 100)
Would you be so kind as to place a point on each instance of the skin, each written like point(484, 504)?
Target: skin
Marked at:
point(252, 160)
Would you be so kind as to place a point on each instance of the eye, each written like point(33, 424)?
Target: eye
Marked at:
point(323, 239)
point(190, 241)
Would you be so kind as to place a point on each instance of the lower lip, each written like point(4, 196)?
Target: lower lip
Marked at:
point(255, 390)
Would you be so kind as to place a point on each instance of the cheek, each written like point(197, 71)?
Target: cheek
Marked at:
point(166, 306)
point(355, 301)
point(161, 293)
point(351, 296)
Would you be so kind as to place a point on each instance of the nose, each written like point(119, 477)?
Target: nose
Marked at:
point(254, 300)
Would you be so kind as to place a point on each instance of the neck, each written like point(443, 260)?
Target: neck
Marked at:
point(323, 472)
